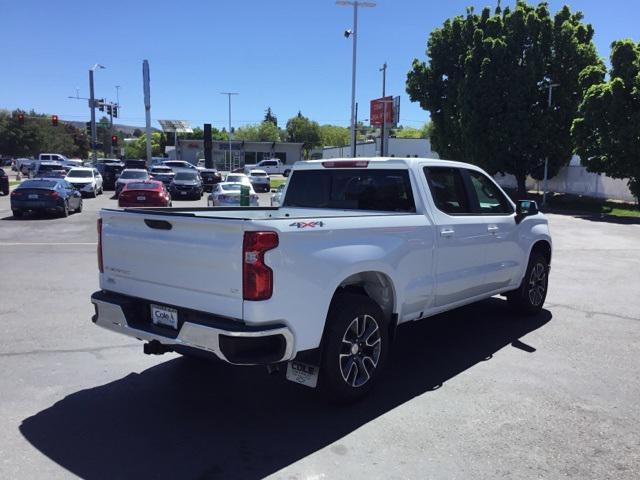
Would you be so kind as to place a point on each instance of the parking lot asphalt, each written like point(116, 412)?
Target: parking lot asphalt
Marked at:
point(474, 393)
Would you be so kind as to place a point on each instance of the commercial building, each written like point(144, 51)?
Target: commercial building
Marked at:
point(397, 147)
point(242, 152)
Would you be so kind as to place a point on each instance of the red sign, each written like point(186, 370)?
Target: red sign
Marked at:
point(378, 110)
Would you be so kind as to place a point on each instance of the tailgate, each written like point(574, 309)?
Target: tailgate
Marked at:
point(196, 264)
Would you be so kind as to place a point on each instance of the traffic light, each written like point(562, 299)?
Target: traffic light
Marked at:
point(54, 120)
point(115, 111)
point(108, 109)
point(101, 104)
point(114, 140)
point(88, 128)
point(21, 118)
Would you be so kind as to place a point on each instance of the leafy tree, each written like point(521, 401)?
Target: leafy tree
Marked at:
point(138, 148)
point(270, 117)
point(485, 87)
point(334, 136)
point(18, 140)
point(410, 132)
point(607, 127)
point(301, 129)
point(138, 133)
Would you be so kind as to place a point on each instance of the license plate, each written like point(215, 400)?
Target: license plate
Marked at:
point(165, 316)
point(302, 373)
point(33, 196)
point(141, 198)
point(183, 193)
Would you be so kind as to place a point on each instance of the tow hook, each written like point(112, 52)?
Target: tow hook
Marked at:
point(154, 347)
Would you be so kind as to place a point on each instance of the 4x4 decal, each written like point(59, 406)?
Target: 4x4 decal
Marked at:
point(312, 224)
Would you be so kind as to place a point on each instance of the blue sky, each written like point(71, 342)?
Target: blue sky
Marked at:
point(290, 55)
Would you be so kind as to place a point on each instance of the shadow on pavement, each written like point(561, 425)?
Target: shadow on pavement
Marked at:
point(190, 419)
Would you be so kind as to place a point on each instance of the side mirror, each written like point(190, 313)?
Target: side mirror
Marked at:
point(525, 208)
point(286, 173)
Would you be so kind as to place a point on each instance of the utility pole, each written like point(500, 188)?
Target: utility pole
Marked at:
point(146, 86)
point(92, 106)
point(384, 110)
point(551, 86)
point(111, 131)
point(228, 94)
point(354, 33)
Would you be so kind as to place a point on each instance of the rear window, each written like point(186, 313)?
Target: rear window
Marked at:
point(38, 184)
point(231, 188)
point(351, 189)
point(186, 176)
point(141, 186)
point(133, 174)
point(80, 174)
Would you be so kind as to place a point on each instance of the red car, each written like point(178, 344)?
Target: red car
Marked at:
point(148, 193)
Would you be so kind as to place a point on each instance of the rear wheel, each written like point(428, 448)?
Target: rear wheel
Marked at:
point(64, 212)
point(17, 213)
point(79, 209)
point(355, 347)
point(529, 298)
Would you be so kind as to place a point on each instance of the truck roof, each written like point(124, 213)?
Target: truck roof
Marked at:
point(380, 162)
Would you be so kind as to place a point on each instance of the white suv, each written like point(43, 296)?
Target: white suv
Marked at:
point(85, 179)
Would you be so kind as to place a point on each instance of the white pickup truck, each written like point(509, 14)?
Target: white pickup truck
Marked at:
point(272, 166)
point(321, 283)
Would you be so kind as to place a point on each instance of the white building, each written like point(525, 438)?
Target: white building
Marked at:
point(398, 147)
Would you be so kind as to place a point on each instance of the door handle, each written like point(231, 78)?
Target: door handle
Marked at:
point(492, 229)
point(447, 232)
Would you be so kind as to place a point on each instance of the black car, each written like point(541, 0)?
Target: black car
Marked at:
point(210, 178)
point(4, 182)
point(110, 170)
point(131, 163)
point(186, 184)
point(45, 194)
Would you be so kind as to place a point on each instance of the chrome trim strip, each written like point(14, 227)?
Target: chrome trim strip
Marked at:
point(202, 337)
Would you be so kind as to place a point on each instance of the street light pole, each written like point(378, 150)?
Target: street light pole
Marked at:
point(92, 106)
point(228, 94)
point(354, 34)
point(551, 86)
point(384, 109)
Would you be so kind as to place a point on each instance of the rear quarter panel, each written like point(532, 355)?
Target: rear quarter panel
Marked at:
point(311, 262)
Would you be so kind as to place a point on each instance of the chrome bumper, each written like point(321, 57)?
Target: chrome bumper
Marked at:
point(193, 335)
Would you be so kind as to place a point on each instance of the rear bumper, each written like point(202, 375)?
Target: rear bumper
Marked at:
point(230, 340)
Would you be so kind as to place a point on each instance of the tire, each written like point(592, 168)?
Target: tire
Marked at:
point(65, 210)
point(355, 346)
point(79, 209)
point(17, 213)
point(529, 298)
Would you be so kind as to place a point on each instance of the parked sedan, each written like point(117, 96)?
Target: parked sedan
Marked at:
point(149, 193)
point(260, 180)
point(87, 180)
point(228, 195)
point(43, 194)
point(130, 175)
point(4, 182)
point(186, 184)
point(162, 173)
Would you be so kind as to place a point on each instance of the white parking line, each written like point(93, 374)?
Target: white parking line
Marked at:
point(20, 244)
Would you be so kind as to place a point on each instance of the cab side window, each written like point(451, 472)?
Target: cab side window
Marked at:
point(490, 200)
point(448, 190)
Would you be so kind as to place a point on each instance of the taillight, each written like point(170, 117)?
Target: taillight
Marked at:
point(100, 265)
point(16, 193)
point(257, 277)
point(54, 195)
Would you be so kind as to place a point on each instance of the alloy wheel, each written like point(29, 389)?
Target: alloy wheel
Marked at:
point(537, 284)
point(360, 351)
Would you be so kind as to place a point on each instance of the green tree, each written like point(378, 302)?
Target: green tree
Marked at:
point(138, 133)
point(301, 129)
point(334, 136)
point(137, 148)
point(607, 127)
point(485, 87)
point(410, 132)
point(18, 140)
point(270, 117)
